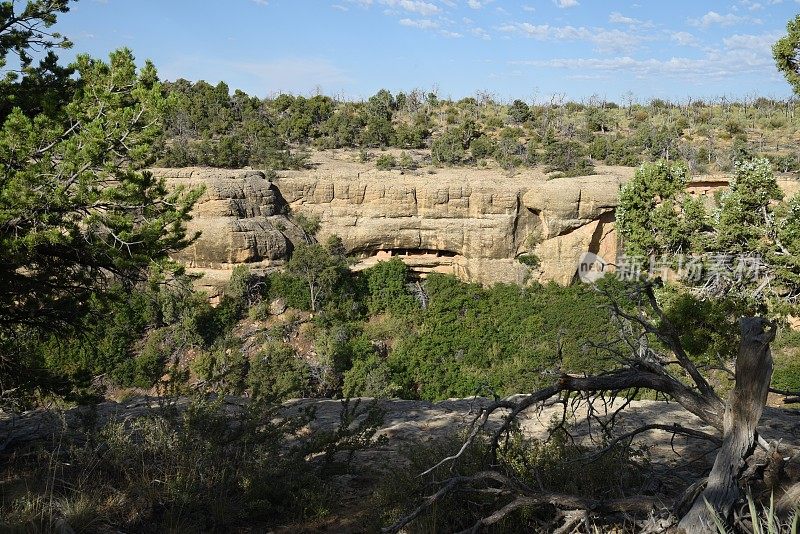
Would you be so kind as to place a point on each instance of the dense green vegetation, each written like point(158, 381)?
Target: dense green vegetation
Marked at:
point(80, 222)
point(748, 235)
point(207, 125)
point(370, 336)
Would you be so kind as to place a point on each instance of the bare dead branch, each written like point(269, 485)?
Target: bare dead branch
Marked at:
point(527, 497)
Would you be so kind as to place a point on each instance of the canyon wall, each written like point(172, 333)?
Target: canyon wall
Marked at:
point(469, 222)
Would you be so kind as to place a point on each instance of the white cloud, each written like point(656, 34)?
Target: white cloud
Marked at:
point(757, 45)
point(480, 33)
point(413, 6)
point(684, 38)
point(605, 40)
point(422, 24)
point(477, 4)
point(619, 18)
point(260, 2)
point(750, 5)
point(713, 18)
point(528, 8)
point(339, 7)
point(566, 3)
point(451, 35)
point(742, 55)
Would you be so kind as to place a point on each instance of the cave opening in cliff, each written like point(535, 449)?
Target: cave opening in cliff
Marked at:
point(420, 261)
point(369, 252)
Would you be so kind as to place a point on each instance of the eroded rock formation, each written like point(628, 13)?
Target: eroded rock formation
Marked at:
point(241, 218)
point(469, 222)
point(473, 223)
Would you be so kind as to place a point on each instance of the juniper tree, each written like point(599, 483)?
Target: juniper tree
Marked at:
point(78, 212)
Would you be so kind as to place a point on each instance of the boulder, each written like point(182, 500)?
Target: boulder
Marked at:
point(277, 306)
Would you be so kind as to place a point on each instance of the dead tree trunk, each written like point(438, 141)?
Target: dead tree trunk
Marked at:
point(742, 413)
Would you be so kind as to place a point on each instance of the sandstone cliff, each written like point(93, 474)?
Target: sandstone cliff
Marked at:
point(469, 222)
point(241, 218)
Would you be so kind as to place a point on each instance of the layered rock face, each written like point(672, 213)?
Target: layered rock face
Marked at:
point(468, 222)
point(463, 226)
point(240, 217)
point(575, 215)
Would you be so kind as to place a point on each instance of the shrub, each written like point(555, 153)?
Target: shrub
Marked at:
point(386, 284)
point(386, 162)
point(567, 157)
point(370, 377)
point(406, 162)
point(531, 260)
point(276, 372)
point(291, 288)
point(481, 147)
point(734, 127)
point(308, 223)
point(448, 148)
point(209, 467)
point(469, 337)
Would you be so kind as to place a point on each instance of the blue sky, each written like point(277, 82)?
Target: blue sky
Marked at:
point(530, 49)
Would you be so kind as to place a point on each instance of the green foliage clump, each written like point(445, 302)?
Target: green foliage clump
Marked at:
point(386, 283)
point(567, 158)
point(406, 162)
point(482, 147)
point(785, 350)
point(531, 260)
point(655, 216)
point(276, 372)
point(740, 221)
point(448, 148)
point(785, 53)
point(386, 162)
point(321, 267)
point(503, 338)
point(751, 220)
point(709, 329)
point(519, 112)
point(309, 224)
point(64, 222)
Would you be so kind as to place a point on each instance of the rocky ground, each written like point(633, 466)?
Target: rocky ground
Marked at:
point(409, 421)
point(675, 459)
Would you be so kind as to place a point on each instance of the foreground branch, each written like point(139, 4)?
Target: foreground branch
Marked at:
point(526, 498)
